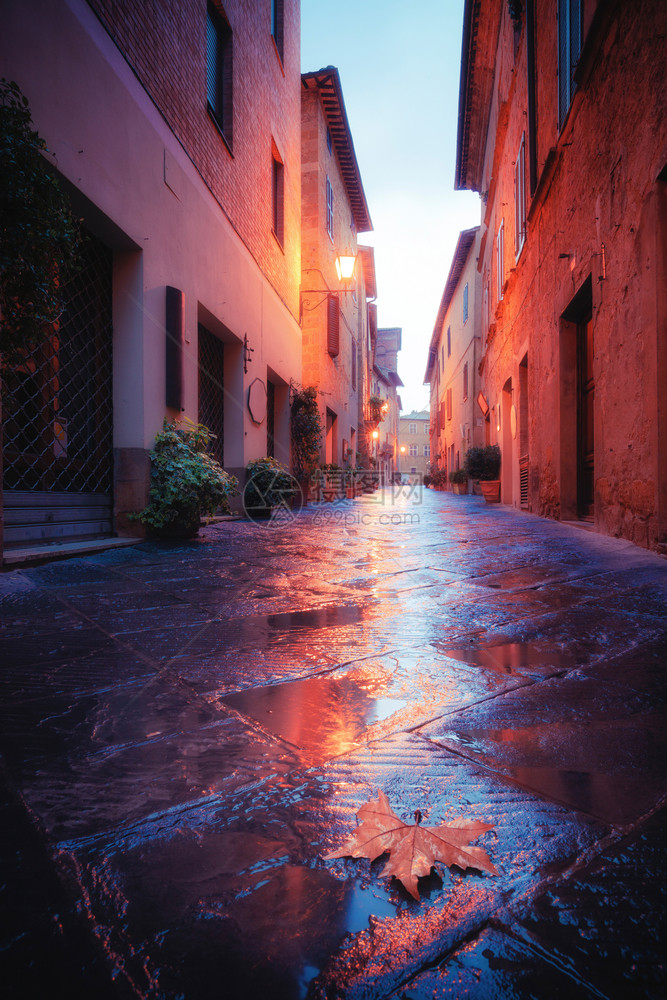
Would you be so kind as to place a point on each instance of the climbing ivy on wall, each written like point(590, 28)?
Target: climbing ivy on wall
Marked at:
point(39, 238)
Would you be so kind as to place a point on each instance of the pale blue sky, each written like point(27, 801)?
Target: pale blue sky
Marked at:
point(399, 67)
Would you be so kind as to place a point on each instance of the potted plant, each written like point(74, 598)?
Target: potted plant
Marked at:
point(186, 482)
point(268, 485)
point(332, 487)
point(306, 434)
point(377, 407)
point(428, 478)
point(459, 480)
point(484, 464)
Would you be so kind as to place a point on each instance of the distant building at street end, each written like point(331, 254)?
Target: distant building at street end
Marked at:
point(414, 443)
point(457, 422)
point(385, 384)
point(563, 132)
point(335, 313)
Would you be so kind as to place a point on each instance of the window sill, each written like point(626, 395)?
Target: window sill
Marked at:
point(278, 55)
point(219, 130)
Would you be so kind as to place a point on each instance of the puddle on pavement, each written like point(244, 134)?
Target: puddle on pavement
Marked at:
point(236, 916)
point(581, 765)
point(322, 716)
point(513, 656)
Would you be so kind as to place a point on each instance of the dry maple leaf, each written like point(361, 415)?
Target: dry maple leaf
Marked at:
point(413, 848)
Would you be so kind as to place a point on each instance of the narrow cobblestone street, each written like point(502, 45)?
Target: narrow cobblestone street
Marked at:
point(188, 729)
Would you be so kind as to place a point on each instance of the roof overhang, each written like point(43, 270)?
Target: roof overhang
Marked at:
point(327, 82)
point(478, 56)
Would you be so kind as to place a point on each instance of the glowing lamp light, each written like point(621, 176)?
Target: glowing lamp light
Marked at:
point(345, 265)
point(402, 449)
point(375, 435)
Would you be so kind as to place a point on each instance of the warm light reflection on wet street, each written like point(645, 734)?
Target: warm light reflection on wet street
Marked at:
point(194, 726)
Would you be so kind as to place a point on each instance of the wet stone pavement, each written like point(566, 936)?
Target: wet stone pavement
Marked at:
point(186, 729)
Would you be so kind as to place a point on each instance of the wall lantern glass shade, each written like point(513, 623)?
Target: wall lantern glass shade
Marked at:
point(345, 265)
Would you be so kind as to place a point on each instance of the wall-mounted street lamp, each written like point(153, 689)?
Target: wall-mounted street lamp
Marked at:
point(345, 270)
point(345, 263)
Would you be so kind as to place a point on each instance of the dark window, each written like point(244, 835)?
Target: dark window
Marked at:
point(330, 209)
point(277, 23)
point(569, 50)
point(449, 341)
point(449, 404)
point(333, 326)
point(354, 363)
point(465, 380)
point(219, 70)
point(500, 258)
point(520, 197)
point(271, 419)
point(278, 196)
point(211, 357)
point(329, 141)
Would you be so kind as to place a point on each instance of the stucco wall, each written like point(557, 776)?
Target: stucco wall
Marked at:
point(139, 190)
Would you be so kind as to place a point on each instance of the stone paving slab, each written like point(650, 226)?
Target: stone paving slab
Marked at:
point(191, 726)
point(251, 876)
point(591, 932)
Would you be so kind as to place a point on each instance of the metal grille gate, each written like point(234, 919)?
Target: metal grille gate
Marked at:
point(211, 358)
point(58, 418)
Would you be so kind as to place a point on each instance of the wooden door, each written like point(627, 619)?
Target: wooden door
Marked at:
point(585, 421)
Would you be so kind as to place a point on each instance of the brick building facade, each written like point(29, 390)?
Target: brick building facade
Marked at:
point(562, 131)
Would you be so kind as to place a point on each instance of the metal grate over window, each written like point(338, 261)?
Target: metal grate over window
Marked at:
point(211, 357)
point(58, 416)
point(271, 419)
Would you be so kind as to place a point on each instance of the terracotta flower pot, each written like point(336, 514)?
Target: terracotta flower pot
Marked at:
point(491, 490)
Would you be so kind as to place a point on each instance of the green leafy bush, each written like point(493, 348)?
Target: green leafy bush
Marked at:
point(483, 463)
point(186, 481)
point(438, 478)
point(306, 430)
point(268, 483)
point(458, 476)
point(39, 238)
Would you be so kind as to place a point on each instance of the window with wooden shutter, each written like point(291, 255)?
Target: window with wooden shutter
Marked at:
point(520, 197)
point(333, 326)
point(465, 302)
point(330, 209)
point(219, 74)
point(569, 50)
point(277, 195)
point(465, 380)
point(449, 404)
point(500, 258)
point(277, 25)
point(354, 363)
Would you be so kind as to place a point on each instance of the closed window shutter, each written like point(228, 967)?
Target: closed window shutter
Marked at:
point(212, 64)
point(333, 326)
